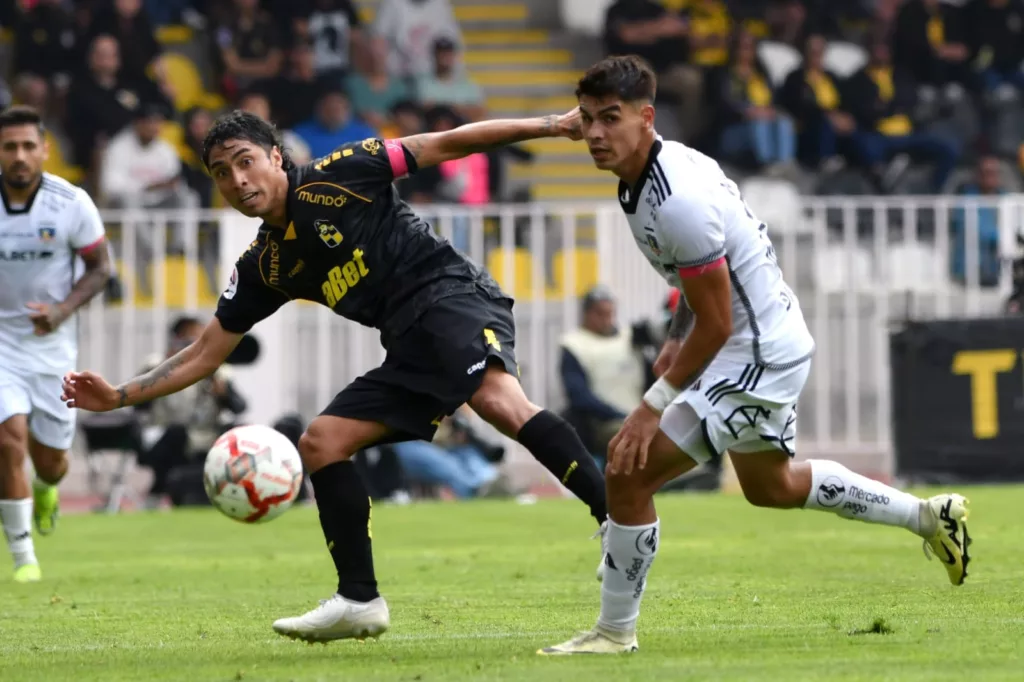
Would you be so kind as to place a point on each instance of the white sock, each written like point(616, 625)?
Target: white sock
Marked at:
point(16, 517)
point(631, 551)
point(836, 489)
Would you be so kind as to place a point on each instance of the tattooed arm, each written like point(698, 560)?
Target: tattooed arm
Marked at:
point(430, 149)
point(681, 321)
point(197, 361)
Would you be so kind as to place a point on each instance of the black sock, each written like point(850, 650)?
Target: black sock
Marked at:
point(558, 447)
point(344, 509)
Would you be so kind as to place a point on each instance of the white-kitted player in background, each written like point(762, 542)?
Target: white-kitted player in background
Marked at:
point(45, 222)
point(733, 383)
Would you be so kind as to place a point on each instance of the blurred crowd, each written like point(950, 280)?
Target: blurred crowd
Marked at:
point(876, 86)
point(127, 115)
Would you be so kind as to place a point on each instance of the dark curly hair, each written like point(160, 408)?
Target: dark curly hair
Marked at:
point(629, 77)
point(241, 125)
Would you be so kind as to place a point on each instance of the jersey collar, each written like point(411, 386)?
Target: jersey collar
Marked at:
point(629, 197)
point(28, 204)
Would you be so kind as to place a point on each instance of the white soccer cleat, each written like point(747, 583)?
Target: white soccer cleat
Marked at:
point(594, 642)
point(950, 540)
point(337, 618)
point(602, 532)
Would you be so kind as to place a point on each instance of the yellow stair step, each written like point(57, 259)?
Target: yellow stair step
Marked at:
point(555, 103)
point(550, 191)
point(557, 171)
point(563, 77)
point(173, 35)
point(556, 145)
point(548, 57)
point(525, 36)
point(503, 12)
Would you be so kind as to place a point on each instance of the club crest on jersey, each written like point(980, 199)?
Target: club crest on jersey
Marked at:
point(653, 243)
point(371, 145)
point(329, 234)
point(47, 234)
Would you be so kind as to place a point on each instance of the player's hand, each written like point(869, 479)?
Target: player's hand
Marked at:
point(667, 355)
point(88, 391)
point(570, 125)
point(628, 449)
point(46, 317)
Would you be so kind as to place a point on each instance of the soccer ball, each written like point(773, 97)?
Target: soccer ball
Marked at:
point(252, 474)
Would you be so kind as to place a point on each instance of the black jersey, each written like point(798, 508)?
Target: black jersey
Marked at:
point(351, 244)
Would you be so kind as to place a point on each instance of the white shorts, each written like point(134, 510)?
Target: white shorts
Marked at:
point(38, 396)
point(739, 408)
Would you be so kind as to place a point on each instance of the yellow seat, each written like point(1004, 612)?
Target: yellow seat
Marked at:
point(177, 274)
point(175, 34)
point(184, 79)
point(57, 163)
point(585, 265)
point(522, 266)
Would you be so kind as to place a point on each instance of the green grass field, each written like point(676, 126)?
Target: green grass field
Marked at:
point(474, 589)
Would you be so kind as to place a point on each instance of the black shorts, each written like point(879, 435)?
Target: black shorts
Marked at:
point(433, 367)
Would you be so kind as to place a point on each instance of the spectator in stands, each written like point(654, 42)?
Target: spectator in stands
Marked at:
point(646, 28)
point(456, 459)
point(424, 185)
point(191, 419)
point(997, 41)
point(293, 95)
point(333, 124)
point(256, 102)
point(103, 101)
point(249, 47)
point(987, 183)
point(787, 22)
point(126, 20)
point(882, 102)
point(710, 28)
point(449, 85)
point(929, 42)
point(373, 90)
point(197, 123)
point(811, 96)
point(749, 122)
point(465, 181)
point(45, 42)
point(141, 170)
point(5, 94)
point(411, 27)
point(602, 373)
point(334, 30)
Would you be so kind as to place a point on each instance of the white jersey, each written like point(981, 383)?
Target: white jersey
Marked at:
point(685, 214)
point(38, 245)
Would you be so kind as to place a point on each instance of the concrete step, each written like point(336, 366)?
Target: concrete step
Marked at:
point(556, 145)
point(483, 58)
point(525, 79)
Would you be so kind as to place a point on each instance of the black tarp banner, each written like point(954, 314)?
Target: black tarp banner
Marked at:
point(958, 400)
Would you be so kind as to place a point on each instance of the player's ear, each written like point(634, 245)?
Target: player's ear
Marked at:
point(275, 157)
point(647, 113)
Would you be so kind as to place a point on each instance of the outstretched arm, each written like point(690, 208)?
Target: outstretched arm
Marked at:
point(197, 361)
point(430, 149)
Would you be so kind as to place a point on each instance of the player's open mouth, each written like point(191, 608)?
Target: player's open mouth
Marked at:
point(599, 153)
point(249, 198)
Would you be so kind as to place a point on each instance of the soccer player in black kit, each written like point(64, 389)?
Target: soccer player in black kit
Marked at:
point(336, 232)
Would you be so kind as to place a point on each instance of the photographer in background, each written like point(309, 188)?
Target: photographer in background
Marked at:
point(191, 419)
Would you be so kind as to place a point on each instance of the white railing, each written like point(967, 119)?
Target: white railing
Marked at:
point(858, 265)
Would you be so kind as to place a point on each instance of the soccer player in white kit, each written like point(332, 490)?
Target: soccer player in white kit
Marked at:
point(733, 383)
point(45, 222)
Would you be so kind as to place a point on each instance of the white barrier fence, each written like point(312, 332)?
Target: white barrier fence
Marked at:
point(857, 264)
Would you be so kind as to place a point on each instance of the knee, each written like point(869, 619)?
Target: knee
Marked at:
point(320, 446)
point(13, 443)
point(502, 404)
